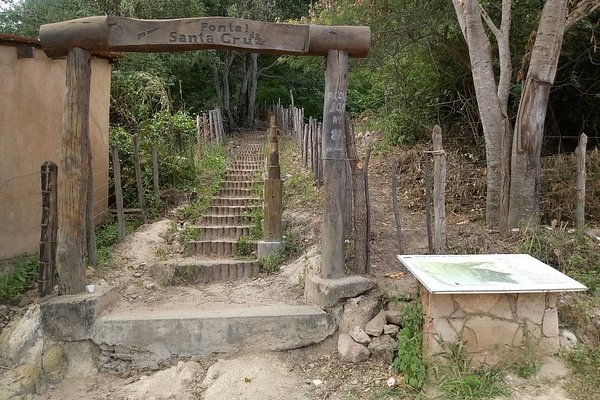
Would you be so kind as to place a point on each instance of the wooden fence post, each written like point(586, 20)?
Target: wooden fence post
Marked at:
point(428, 185)
point(118, 192)
point(155, 177)
point(138, 178)
point(396, 208)
point(72, 182)
point(359, 207)
point(580, 153)
point(272, 231)
point(48, 229)
point(334, 164)
point(439, 191)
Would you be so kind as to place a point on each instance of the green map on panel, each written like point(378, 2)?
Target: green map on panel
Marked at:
point(465, 273)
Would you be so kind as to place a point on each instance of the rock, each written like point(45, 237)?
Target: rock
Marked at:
point(317, 382)
point(174, 382)
point(375, 326)
point(567, 339)
point(150, 286)
point(360, 336)
point(350, 351)
point(137, 274)
point(20, 382)
point(391, 330)
point(383, 348)
point(21, 337)
point(54, 361)
point(357, 312)
point(327, 292)
point(394, 317)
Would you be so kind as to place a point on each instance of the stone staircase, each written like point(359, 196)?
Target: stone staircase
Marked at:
point(229, 218)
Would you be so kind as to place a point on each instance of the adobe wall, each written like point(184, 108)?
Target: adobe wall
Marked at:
point(31, 105)
point(495, 327)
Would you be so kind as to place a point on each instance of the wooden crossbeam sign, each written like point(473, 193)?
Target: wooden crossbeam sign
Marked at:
point(112, 33)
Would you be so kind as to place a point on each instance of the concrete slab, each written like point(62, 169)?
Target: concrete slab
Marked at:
point(71, 317)
point(202, 332)
point(327, 292)
point(266, 248)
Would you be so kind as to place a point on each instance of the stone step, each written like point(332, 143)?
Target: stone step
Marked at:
point(258, 158)
point(231, 210)
point(234, 201)
point(241, 178)
point(238, 192)
point(216, 248)
point(251, 173)
point(239, 184)
point(138, 336)
point(223, 232)
point(216, 271)
point(210, 219)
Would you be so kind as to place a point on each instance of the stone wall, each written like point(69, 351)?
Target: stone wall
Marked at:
point(32, 88)
point(494, 327)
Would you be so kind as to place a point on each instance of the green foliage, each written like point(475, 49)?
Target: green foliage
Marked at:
point(243, 248)
point(585, 361)
point(17, 276)
point(458, 381)
point(409, 339)
point(107, 235)
point(292, 247)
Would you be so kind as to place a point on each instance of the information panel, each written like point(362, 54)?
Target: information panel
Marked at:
point(487, 273)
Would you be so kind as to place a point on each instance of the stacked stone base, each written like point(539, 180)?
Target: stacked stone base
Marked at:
point(495, 328)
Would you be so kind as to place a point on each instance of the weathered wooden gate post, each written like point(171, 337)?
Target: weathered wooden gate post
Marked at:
point(72, 180)
point(273, 186)
point(334, 164)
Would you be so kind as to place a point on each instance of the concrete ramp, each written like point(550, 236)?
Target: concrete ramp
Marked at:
point(153, 336)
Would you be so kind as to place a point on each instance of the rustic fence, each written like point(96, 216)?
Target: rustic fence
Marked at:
point(210, 126)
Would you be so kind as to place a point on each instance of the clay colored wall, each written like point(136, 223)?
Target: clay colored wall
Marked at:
point(494, 327)
point(31, 104)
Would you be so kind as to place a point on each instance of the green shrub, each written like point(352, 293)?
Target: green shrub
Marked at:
point(17, 276)
point(409, 339)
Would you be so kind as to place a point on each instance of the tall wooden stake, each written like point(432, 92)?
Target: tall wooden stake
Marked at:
point(155, 171)
point(334, 164)
point(72, 181)
point(396, 208)
point(48, 229)
point(118, 192)
point(439, 191)
point(138, 178)
point(581, 176)
point(273, 190)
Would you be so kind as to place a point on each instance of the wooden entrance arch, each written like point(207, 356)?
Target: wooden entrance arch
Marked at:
point(75, 39)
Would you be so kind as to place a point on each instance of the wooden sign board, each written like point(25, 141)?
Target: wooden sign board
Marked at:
point(487, 273)
point(112, 33)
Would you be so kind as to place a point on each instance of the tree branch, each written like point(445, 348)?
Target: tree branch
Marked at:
point(582, 9)
point(488, 21)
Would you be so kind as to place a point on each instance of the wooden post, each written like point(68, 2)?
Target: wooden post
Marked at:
point(359, 208)
point(427, 171)
point(90, 228)
point(396, 208)
point(138, 178)
point(118, 192)
point(273, 190)
point(48, 229)
point(368, 210)
point(155, 180)
point(72, 182)
point(580, 153)
point(439, 191)
point(319, 132)
point(334, 164)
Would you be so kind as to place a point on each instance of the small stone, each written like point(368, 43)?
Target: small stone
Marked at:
point(375, 326)
point(390, 329)
point(137, 274)
point(317, 382)
point(382, 348)
point(351, 351)
point(150, 285)
point(567, 339)
point(360, 336)
point(394, 317)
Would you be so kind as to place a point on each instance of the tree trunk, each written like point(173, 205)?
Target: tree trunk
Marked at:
point(491, 98)
point(217, 83)
point(243, 100)
point(229, 57)
point(253, 85)
point(529, 127)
